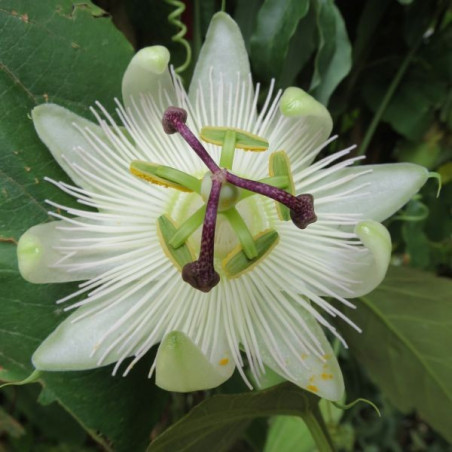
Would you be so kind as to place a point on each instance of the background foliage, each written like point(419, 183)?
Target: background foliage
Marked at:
point(384, 68)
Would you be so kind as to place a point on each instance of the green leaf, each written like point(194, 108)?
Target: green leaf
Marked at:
point(411, 109)
point(55, 51)
point(424, 89)
point(245, 15)
point(50, 52)
point(405, 344)
point(334, 54)
point(51, 420)
point(275, 25)
point(301, 47)
point(217, 422)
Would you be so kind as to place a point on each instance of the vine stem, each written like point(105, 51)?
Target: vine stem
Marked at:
point(387, 97)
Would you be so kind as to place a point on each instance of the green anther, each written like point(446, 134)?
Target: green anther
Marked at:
point(279, 165)
point(236, 263)
point(187, 228)
point(228, 149)
point(243, 140)
point(242, 231)
point(276, 181)
point(165, 176)
point(179, 256)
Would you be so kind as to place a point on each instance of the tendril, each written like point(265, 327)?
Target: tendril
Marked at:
point(174, 19)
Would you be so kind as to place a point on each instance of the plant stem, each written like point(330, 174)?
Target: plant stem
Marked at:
point(318, 430)
point(387, 98)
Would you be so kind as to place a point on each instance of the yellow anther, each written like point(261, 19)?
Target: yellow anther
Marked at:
point(164, 176)
point(223, 362)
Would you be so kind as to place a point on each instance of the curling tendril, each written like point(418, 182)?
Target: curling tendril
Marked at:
point(174, 19)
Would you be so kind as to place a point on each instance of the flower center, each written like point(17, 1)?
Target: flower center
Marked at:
point(229, 194)
point(221, 190)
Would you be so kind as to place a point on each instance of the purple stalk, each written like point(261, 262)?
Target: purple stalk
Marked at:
point(301, 207)
point(173, 121)
point(201, 274)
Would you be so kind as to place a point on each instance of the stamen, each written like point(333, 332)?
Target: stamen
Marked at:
point(242, 231)
point(301, 206)
point(201, 273)
point(187, 228)
point(165, 176)
point(174, 121)
point(231, 139)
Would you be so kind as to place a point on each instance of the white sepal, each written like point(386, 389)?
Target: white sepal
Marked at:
point(148, 74)
point(39, 256)
point(182, 367)
point(222, 64)
point(62, 132)
point(371, 267)
point(372, 191)
point(318, 373)
point(77, 343)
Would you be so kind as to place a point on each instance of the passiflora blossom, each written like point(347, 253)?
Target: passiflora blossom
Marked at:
point(215, 233)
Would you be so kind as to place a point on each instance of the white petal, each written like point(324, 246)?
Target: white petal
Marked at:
point(376, 194)
point(320, 375)
point(182, 367)
point(55, 127)
point(222, 62)
point(148, 74)
point(38, 255)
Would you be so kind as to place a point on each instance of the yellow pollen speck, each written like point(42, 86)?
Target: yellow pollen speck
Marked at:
point(326, 356)
point(327, 376)
point(312, 388)
point(303, 356)
point(223, 361)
